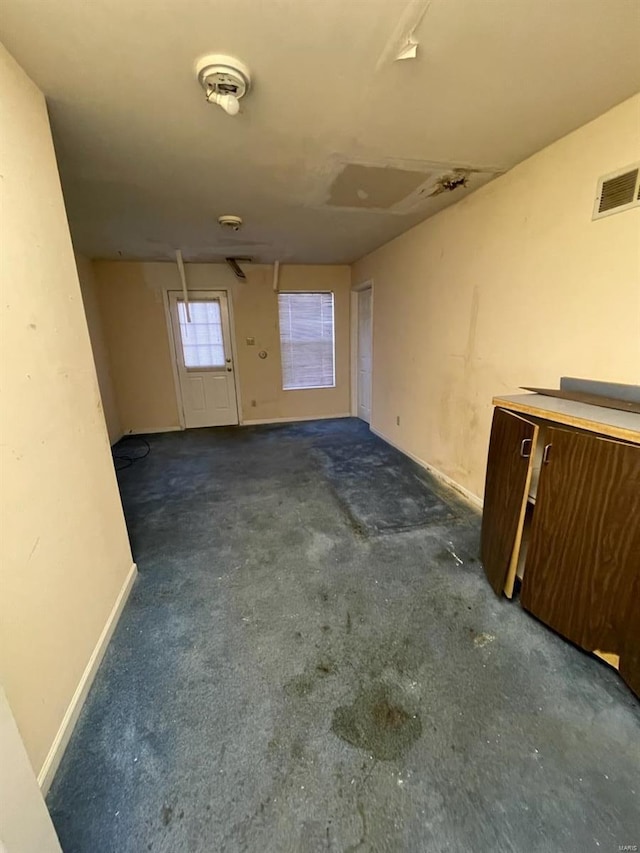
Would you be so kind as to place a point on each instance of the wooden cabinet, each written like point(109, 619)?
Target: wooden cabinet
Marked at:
point(509, 469)
point(562, 510)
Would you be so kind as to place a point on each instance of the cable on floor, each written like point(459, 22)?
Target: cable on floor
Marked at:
point(122, 461)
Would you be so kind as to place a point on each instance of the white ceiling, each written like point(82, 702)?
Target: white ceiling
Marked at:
point(148, 166)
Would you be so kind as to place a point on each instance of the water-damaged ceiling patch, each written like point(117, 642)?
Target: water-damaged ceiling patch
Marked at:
point(386, 188)
point(378, 187)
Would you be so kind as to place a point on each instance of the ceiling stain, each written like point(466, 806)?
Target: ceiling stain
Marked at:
point(452, 181)
point(378, 187)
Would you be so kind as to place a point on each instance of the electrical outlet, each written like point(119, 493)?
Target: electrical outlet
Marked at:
point(397, 420)
point(251, 342)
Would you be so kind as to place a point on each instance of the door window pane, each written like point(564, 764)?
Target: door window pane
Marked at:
point(202, 343)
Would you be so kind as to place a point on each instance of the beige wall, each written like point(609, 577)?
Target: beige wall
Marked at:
point(65, 552)
point(514, 285)
point(100, 356)
point(135, 334)
point(25, 825)
point(256, 315)
point(131, 296)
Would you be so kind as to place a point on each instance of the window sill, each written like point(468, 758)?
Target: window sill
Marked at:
point(311, 388)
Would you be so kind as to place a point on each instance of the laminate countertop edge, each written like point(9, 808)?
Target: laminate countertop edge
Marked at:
point(608, 422)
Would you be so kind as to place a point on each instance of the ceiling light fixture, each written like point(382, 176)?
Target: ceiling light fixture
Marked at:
point(230, 223)
point(225, 80)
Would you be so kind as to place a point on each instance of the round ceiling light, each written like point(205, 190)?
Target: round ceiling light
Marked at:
point(231, 223)
point(224, 79)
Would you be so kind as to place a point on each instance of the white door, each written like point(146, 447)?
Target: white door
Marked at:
point(204, 360)
point(364, 354)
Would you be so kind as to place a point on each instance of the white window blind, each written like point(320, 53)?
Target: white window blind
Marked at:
point(307, 340)
point(202, 342)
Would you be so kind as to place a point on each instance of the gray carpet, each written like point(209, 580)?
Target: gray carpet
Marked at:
point(311, 660)
point(380, 489)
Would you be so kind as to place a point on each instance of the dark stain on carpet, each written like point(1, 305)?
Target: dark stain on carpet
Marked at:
point(377, 723)
point(380, 490)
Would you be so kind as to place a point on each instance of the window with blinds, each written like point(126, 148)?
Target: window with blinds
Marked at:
point(307, 340)
point(202, 341)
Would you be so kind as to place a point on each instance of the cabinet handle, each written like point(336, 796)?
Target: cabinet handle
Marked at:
point(545, 454)
point(523, 444)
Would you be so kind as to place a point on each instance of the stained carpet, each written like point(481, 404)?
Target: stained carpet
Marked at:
point(311, 660)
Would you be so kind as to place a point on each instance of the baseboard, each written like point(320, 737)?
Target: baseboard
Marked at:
point(474, 500)
point(150, 430)
point(293, 420)
point(54, 756)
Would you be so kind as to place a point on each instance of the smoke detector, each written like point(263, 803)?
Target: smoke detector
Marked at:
point(230, 223)
point(225, 80)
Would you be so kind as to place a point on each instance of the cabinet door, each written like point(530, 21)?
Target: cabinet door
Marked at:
point(630, 629)
point(584, 553)
point(511, 450)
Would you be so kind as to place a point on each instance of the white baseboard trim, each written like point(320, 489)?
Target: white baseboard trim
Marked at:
point(474, 500)
point(294, 420)
point(150, 430)
point(60, 741)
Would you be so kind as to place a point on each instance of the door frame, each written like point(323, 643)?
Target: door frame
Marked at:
point(356, 290)
point(174, 356)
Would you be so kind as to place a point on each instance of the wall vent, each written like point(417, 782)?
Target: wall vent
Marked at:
point(617, 192)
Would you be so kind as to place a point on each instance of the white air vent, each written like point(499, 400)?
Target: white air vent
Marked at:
point(618, 191)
